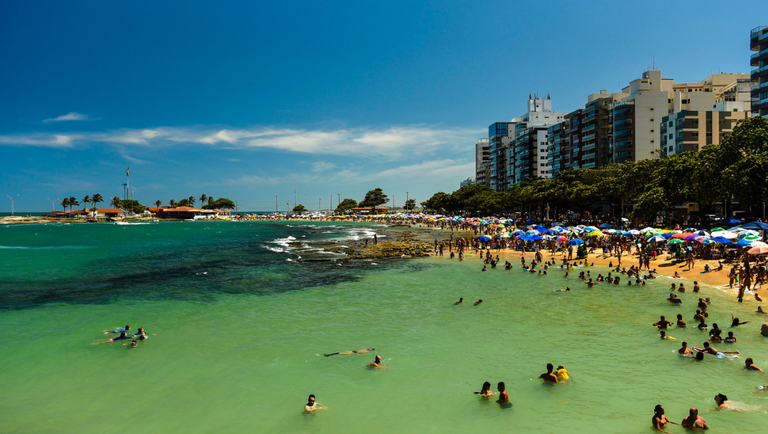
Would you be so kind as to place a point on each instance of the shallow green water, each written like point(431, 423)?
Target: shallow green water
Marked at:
point(240, 349)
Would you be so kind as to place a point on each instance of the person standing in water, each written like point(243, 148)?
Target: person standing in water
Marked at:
point(548, 376)
point(503, 395)
point(693, 420)
point(313, 406)
point(485, 392)
point(659, 420)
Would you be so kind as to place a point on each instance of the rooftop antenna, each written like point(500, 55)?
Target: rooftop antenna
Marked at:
point(654, 62)
point(128, 179)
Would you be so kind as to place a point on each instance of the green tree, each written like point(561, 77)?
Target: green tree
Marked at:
point(172, 203)
point(158, 203)
point(116, 202)
point(183, 202)
point(299, 209)
point(346, 205)
point(64, 203)
point(203, 199)
point(410, 204)
point(86, 201)
point(191, 200)
point(73, 202)
point(220, 203)
point(439, 202)
point(133, 205)
point(96, 200)
point(374, 198)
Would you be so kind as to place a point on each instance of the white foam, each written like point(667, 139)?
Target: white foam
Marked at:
point(284, 241)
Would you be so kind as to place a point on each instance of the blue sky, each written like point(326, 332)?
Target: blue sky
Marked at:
point(249, 99)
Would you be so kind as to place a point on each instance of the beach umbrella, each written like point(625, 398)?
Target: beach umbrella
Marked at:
point(720, 240)
point(624, 219)
point(709, 241)
point(704, 233)
point(605, 225)
point(743, 243)
point(542, 230)
point(691, 237)
point(656, 239)
point(755, 225)
point(717, 229)
point(531, 233)
point(557, 224)
point(595, 234)
point(757, 244)
point(759, 250)
point(634, 232)
point(591, 229)
point(575, 242)
point(674, 241)
point(483, 238)
point(746, 233)
point(678, 236)
point(561, 239)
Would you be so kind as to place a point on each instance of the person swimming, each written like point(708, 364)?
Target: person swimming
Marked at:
point(680, 322)
point(346, 353)
point(663, 335)
point(562, 374)
point(477, 303)
point(684, 350)
point(461, 300)
point(117, 331)
point(376, 363)
point(730, 339)
point(567, 289)
point(313, 406)
point(749, 365)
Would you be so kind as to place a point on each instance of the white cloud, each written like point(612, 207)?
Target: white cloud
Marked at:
point(71, 116)
point(387, 144)
point(322, 166)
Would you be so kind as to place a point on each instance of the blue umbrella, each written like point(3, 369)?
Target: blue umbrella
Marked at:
point(605, 225)
point(575, 242)
point(721, 240)
point(483, 238)
point(542, 230)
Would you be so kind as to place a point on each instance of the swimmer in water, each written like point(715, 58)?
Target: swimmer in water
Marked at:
point(346, 353)
point(478, 302)
point(736, 322)
point(503, 395)
point(485, 392)
point(376, 363)
point(674, 299)
point(123, 336)
point(685, 351)
point(567, 289)
point(680, 322)
point(117, 331)
point(730, 339)
point(313, 406)
point(485, 268)
point(562, 374)
point(760, 310)
point(711, 350)
point(722, 402)
point(749, 365)
point(548, 376)
point(659, 420)
point(461, 300)
point(693, 420)
point(663, 335)
point(662, 323)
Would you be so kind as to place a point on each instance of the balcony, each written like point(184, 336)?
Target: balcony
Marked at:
point(588, 137)
point(588, 128)
point(589, 146)
point(754, 60)
point(760, 72)
point(590, 165)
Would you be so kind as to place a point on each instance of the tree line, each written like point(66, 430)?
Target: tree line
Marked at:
point(736, 170)
point(134, 205)
point(372, 199)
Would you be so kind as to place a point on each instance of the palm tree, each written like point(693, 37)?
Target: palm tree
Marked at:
point(116, 202)
point(210, 200)
point(191, 200)
point(86, 201)
point(158, 203)
point(203, 199)
point(64, 203)
point(172, 203)
point(96, 199)
point(73, 202)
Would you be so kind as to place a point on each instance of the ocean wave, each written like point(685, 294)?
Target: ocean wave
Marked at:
point(283, 241)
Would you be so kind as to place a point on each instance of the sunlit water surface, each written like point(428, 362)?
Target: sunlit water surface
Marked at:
point(241, 325)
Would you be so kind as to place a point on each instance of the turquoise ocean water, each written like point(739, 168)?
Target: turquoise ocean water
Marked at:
point(240, 327)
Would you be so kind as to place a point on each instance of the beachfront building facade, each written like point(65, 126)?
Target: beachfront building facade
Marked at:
point(527, 154)
point(499, 136)
point(758, 41)
point(690, 130)
point(481, 160)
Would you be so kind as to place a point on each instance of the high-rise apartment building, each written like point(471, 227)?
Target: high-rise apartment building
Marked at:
point(481, 160)
point(691, 130)
point(527, 154)
point(499, 136)
point(758, 41)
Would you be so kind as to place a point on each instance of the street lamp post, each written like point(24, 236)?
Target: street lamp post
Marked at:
point(12, 199)
point(406, 200)
point(52, 202)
